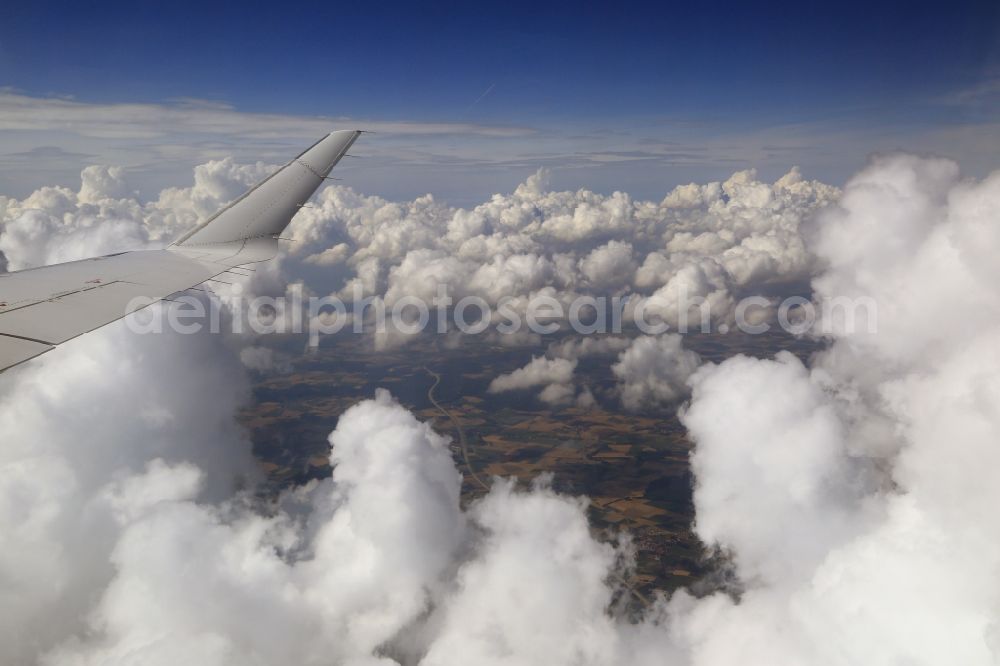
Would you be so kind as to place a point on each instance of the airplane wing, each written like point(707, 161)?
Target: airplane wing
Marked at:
point(46, 306)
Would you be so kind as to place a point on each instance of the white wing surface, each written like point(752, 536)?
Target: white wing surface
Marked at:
point(43, 307)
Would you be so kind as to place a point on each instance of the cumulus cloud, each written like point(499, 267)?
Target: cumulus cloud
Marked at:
point(854, 497)
point(711, 243)
point(609, 265)
point(784, 461)
point(266, 589)
point(114, 559)
point(538, 371)
point(56, 224)
point(331, 256)
point(567, 591)
point(703, 244)
point(654, 370)
point(555, 374)
point(81, 421)
point(556, 370)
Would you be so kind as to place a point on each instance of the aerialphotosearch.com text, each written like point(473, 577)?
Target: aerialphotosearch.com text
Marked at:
point(541, 313)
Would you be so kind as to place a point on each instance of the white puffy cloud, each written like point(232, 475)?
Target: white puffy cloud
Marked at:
point(555, 371)
point(102, 182)
point(783, 461)
point(731, 238)
point(55, 224)
point(609, 265)
point(856, 498)
point(514, 605)
point(694, 296)
point(331, 256)
point(258, 588)
point(654, 370)
point(556, 374)
point(78, 421)
point(121, 545)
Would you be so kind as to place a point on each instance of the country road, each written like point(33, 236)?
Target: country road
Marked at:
point(463, 443)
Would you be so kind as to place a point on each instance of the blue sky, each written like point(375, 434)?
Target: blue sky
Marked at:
point(660, 94)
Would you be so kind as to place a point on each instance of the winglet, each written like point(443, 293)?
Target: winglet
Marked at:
point(267, 208)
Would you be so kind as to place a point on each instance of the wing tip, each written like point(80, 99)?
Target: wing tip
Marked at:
point(319, 158)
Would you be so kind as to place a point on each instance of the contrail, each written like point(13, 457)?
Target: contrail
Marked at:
point(480, 98)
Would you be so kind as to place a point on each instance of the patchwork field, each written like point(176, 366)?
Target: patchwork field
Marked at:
point(633, 467)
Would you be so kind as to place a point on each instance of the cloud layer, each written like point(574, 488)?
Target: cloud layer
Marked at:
point(683, 261)
point(854, 498)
